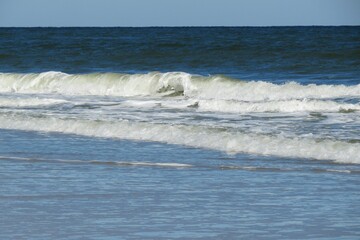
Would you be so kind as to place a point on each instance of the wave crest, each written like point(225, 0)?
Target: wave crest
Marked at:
point(168, 84)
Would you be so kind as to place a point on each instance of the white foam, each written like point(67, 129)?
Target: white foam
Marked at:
point(338, 170)
point(286, 106)
point(193, 136)
point(152, 164)
point(94, 84)
point(218, 88)
point(159, 84)
point(232, 106)
point(29, 102)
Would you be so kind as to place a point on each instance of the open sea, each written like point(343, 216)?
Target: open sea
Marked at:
point(180, 133)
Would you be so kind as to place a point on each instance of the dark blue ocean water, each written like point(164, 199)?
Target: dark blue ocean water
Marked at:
point(277, 54)
point(188, 133)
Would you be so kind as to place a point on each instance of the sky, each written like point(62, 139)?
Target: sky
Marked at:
point(135, 13)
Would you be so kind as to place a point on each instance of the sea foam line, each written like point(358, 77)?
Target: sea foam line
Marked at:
point(209, 105)
point(193, 136)
point(98, 162)
point(30, 102)
point(180, 165)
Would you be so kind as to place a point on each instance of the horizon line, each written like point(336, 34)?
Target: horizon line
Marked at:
point(185, 26)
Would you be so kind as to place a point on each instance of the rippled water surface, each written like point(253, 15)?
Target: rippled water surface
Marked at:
point(158, 133)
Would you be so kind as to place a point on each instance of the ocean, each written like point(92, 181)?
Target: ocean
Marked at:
point(180, 133)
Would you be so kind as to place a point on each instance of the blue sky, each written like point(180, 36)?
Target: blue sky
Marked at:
point(58, 13)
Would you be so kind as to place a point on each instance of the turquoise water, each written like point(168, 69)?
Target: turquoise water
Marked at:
point(190, 133)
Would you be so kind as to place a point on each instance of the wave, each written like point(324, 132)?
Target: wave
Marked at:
point(29, 102)
point(193, 136)
point(168, 84)
point(231, 106)
point(209, 105)
point(288, 106)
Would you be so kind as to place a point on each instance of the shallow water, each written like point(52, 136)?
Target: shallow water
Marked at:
point(158, 133)
point(67, 186)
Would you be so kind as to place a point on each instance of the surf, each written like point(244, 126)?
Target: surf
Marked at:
point(168, 84)
point(206, 137)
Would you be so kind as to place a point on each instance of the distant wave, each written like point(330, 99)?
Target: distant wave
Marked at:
point(168, 84)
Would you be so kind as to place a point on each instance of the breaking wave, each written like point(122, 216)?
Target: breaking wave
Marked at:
point(193, 136)
point(168, 84)
point(102, 105)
